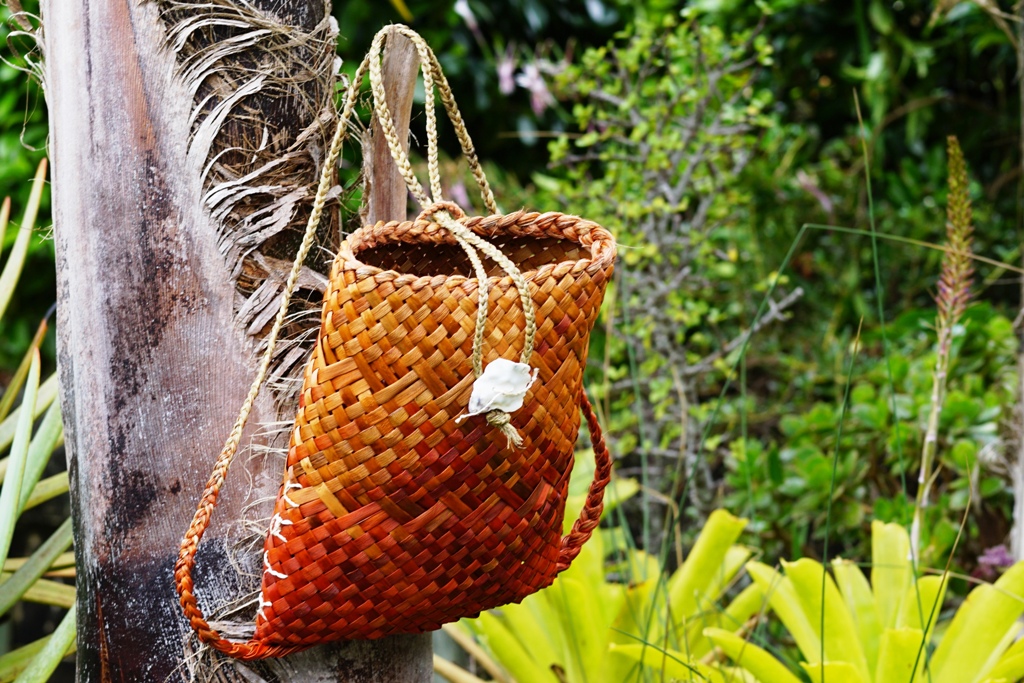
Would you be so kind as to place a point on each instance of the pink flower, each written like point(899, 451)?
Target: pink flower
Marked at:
point(531, 79)
point(506, 70)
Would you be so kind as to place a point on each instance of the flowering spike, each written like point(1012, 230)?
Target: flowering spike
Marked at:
point(953, 293)
point(955, 281)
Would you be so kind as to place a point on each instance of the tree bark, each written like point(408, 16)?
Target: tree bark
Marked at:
point(384, 188)
point(1017, 531)
point(153, 368)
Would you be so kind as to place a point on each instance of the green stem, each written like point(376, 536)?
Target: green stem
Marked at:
point(931, 438)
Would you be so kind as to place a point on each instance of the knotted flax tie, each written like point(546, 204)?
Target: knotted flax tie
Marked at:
point(443, 211)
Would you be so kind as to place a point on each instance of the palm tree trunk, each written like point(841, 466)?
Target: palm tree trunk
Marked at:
point(154, 360)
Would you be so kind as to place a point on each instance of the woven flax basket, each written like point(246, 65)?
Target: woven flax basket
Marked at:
point(409, 499)
point(394, 517)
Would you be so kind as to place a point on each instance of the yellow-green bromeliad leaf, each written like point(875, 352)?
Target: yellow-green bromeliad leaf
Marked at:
point(860, 601)
point(891, 573)
point(975, 639)
point(835, 629)
point(761, 664)
point(900, 658)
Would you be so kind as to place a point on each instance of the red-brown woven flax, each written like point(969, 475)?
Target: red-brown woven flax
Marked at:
point(394, 515)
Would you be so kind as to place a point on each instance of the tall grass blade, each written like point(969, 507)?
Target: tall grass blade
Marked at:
point(64, 561)
point(18, 380)
point(466, 642)
point(10, 494)
point(846, 630)
point(670, 664)
point(5, 218)
point(48, 592)
point(47, 435)
point(44, 663)
point(47, 489)
point(44, 397)
point(42, 559)
point(16, 260)
point(15, 661)
point(453, 673)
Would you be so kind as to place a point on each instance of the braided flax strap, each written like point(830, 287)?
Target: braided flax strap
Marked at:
point(392, 517)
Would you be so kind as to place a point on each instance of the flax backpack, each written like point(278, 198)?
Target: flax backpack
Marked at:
point(427, 471)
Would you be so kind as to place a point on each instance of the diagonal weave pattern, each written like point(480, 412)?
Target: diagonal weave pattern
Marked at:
point(394, 516)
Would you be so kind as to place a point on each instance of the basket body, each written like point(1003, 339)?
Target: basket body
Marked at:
point(394, 516)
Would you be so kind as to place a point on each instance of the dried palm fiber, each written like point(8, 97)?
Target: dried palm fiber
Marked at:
point(399, 510)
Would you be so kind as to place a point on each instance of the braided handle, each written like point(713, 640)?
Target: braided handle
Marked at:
point(204, 511)
point(590, 515)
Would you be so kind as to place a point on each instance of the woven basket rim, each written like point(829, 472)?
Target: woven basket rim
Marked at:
point(568, 227)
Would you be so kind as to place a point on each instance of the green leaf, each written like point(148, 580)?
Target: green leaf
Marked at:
point(1000, 649)
point(749, 602)
point(922, 603)
point(536, 626)
point(47, 592)
point(10, 494)
point(16, 259)
point(898, 656)
point(1010, 667)
point(968, 642)
point(586, 632)
point(47, 394)
point(712, 615)
point(840, 634)
point(47, 436)
point(833, 672)
point(749, 656)
point(47, 489)
point(880, 17)
point(670, 664)
point(786, 604)
point(18, 380)
point(44, 663)
point(890, 569)
point(14, 662)
point(507, 649)
point(45, 555)
point(688, 587)
point(861, 603)
point(453, 673)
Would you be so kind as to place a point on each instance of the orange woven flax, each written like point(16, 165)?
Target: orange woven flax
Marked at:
point(395, 517)
point(427, 472)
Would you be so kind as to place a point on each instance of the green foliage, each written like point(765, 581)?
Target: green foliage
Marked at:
point(848, 630)
point(668, 115)
point(783, 483)
point(953, 387)
point(917, 82)
point(28, 448)
point(23, 133)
